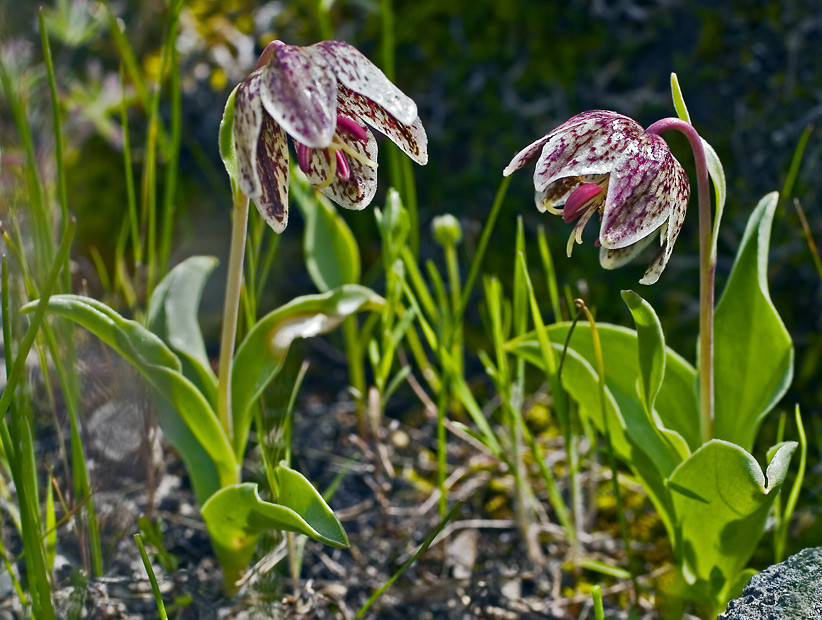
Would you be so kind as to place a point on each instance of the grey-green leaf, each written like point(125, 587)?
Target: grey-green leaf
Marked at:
point(723, 519)
point(226, 137)
point(331, 254)
point(260, 356)
point(676, 401)
point(189, 422)
point(753, 352)
point(236, 516)
point(173, 315)
point(651, 345)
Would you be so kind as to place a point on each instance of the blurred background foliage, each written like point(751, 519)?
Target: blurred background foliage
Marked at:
point(489, 77)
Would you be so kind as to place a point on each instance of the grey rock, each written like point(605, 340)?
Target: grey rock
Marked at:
point(790, 589)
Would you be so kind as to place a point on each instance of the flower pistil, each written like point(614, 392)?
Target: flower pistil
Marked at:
point(581, 204)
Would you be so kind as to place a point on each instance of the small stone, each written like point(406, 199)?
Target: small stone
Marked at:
point(790, 589)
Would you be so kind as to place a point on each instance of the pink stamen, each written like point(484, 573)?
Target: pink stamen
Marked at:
point(343, 169)
point(304, 158)
point(578, 201)
point(352, 127)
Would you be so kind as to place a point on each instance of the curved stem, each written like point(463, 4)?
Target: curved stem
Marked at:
point(231, 309)
point(707, 272)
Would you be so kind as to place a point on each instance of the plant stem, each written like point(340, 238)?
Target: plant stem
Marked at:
point(707, 272)
point(231, 310)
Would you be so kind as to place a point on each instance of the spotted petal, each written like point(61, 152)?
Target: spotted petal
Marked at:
point(642, 190)
point(587, 144)
point(556, 193)
point(358, 190)
point(611, 259)
point(299, 91)
point(248, 120)
point(525, 155)
point(410, 138)
point(272, 170)
point(359, 74)
point(679, 196)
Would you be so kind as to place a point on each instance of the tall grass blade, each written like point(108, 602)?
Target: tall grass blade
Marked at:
point(155, 587)
point(806, 229)
point(407, 564)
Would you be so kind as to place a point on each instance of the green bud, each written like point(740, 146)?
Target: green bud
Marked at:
point(447, 230)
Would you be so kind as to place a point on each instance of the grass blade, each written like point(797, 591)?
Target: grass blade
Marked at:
point(401, 570)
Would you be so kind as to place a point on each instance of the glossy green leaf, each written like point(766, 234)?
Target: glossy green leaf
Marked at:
point(226, 137)
point(331, 253)
point(236, 516)
point(260, 356)
point(753, 352)
point(718, 536)
point(172, 315)
point(188, 422)
point(637, 444)
point(651, 345)
point(675, 407)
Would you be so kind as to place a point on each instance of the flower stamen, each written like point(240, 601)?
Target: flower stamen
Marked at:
point(352, 127)
point(343, 169)
point(332, 162)
point(581, 205)
point(579, 200)
point(304, 157)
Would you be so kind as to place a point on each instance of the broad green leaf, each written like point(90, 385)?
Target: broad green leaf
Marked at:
point(635, 443)
point(260, 356)
point(651, 350)
point(331, 254)
point(651, 345)
point(236, 516)
point(718, 536)
point(172, 315)
point(676, 402)
point(189, 422)
point(227, 151)
point(753, 352)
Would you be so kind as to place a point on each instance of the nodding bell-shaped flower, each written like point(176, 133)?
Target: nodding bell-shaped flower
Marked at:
point(603, 162)
point(322, 96)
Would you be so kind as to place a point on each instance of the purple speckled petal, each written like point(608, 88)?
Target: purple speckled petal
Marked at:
point(680, 205)
point(356, 192)
point(524, 156)
point(611, 259)
point(248, 121)
point(556, 193)
point(272, 170)
point(589, 143)
point(359, 74)
point(299, 91)
point(641, 193)
point(410, 138)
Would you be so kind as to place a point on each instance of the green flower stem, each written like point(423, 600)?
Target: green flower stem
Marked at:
point(231, 310)
point(707, 272)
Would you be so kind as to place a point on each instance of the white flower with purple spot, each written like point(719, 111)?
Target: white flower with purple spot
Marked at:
point(322, 96)
point(603, 162)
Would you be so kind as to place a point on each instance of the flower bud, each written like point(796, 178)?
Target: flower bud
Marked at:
point(447, 230)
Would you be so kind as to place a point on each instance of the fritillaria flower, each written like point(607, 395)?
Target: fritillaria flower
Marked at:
point(604, 162)
point(322, 96)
